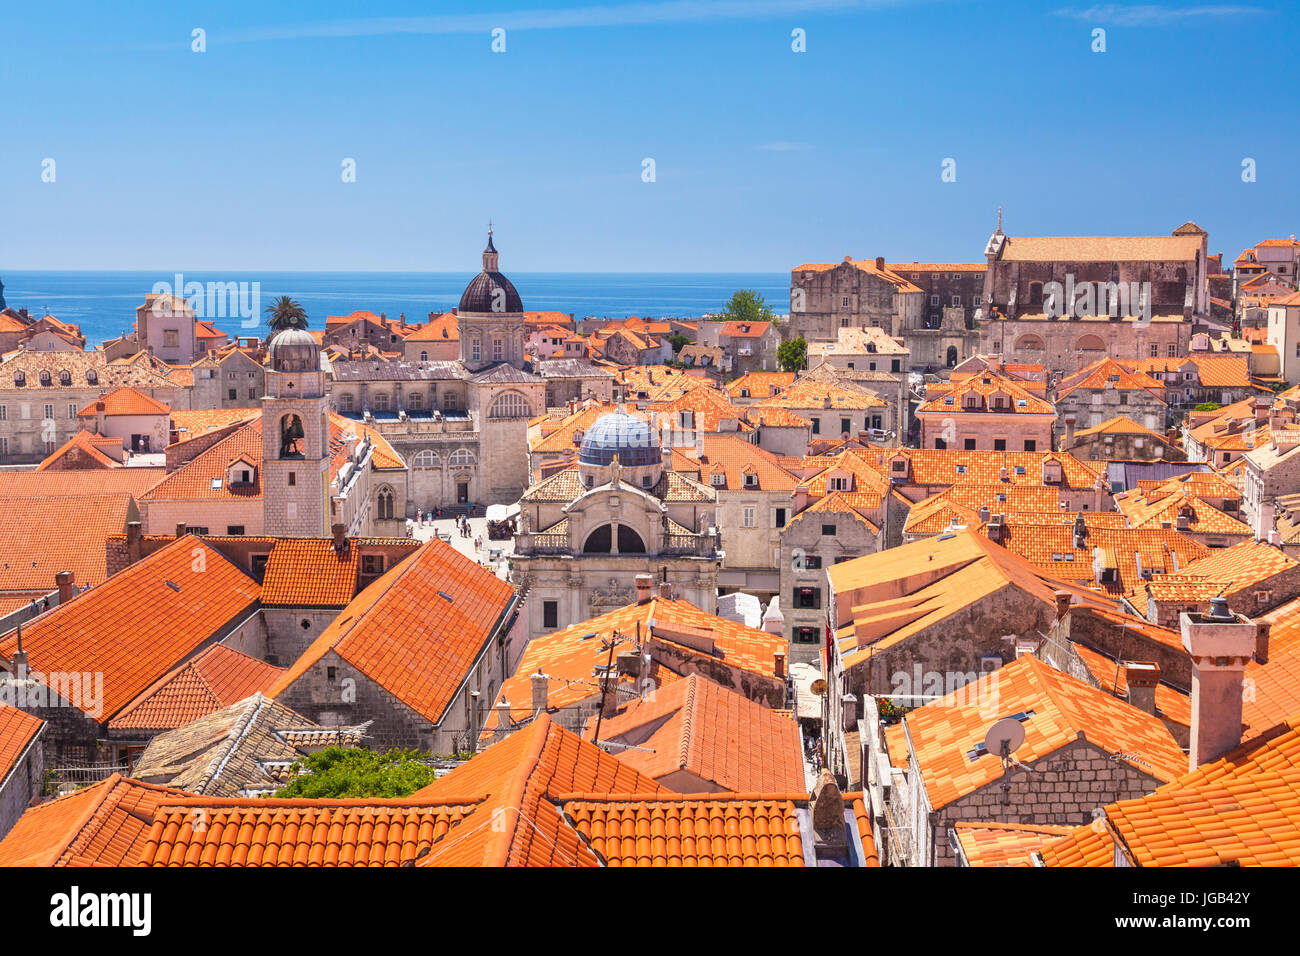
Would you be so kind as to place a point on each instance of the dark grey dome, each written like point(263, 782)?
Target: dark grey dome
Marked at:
point(481, 294)
point(294, 350)
point(619, 434)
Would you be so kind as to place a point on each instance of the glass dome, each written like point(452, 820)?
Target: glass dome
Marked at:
point(621, 434)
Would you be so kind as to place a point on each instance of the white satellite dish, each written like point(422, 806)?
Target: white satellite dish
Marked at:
point(1009, 732)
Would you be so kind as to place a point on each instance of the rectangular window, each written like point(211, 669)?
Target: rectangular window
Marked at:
point(828, 530)
point(498, 350)
point(748, 516)
point(808, 597)
point(1031, 444)
point(475, 351)
point(999, 444)
point(232, 394)
point(969, 444)
point(72, 410)
point(934, 300)
point(779, 520)
point(817, 426)
point(293, 478)
point(811, 562)
point(171, 338)
point(550, 614)
point(807, 635)
point(1155, 351)
point(252, 393)
point(846, 425)
point(1172, 351)
point(234, 529)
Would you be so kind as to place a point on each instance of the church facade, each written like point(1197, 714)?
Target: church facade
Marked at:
point(586, 532)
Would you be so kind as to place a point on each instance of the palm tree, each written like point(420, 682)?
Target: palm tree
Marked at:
point(285, 313)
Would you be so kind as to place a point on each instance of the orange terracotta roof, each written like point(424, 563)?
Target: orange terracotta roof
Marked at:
point(191, 423)
point(40, 484)
point(310, 572)
point(126, 401)
point(1171, 703)
point(404, 618)
point(752, 330)
point(568, 657)
point(720, 738)
point(441, 328)
point(985, 390)
point(742, 465)
point(1120, 425)
point(63, 533)
point(105, 824)
point(17, 731)
point(93, 455)
point(1003, 844)
point(812, 395)
point(1107, 374)
point(1242, 810)
point(140, 623)
point(1225, 571)
point(760, 384)
point(1100, 248)
point(937, 466)
point(278, 832)
point(523, 774)
point(215, 678)
point(944, 732)
point(195, 479)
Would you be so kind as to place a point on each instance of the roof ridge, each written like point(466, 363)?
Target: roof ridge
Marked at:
point(684, 737)
point(497, 852)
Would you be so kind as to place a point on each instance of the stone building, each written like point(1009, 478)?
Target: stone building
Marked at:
point(459, 621)
point(827, 296)
point(1067, 301)
point(946, 285)
point(233, 377)
point(41, 394)
point(1079, 748)
point(587, 532)
point(1105, 390)
point(22, 762)
point(986, 412)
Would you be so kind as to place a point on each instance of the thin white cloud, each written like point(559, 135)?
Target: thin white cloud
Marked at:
point(1151, 14)
point(633, 14)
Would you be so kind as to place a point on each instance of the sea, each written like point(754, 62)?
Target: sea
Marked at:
point(103, 304)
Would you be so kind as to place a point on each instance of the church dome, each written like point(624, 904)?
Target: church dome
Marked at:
point(621, 434)
point(490, 291)
point(294, 350)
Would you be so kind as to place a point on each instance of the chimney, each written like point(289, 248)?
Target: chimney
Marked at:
point(1261, 642)
point(1142, 678)
point(880, 263)
point(644, 587)
point(1220, 643)
point(1069, 431)
point(473, 721)
point(849, 706)
point(539, 681)
point(830, 834)
point(1062, 603)
point(1182, 522)
point(779, 664)
point(984, 514)
point(629, 662)
point(1003, 474)
point(19, 660)
point(1080, 531)
point(503, 719)
point(666, 590)
point(773, 619)
point(63, 580)
point(180, 529)
point(99, 416)
point(340, 542)
point(132, 542)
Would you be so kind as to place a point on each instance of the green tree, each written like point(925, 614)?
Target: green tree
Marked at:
point(338, 772)
point(792, 355)
point(678, 342)
point(1208, 407)
point(746, 305)
point(285, 313)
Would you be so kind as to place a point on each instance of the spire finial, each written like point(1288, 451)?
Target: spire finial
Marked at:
point(999, 218)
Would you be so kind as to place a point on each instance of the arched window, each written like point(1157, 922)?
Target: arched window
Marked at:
point(385, 503)
point(461, 458)
point(1035, 293)
point(20, 378)
point(45, 377)
point(1029, 343)
point(424, 356)
point(291, 437)
point(511, 405)
point(1090, 343)
point(598, 542)
point(92, 376)
point(65, 377)
point(425, 458)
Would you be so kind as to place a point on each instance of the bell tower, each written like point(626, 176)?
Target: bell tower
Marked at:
point(295, 439)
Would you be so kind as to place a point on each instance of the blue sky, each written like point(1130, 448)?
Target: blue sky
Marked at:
point(231, 159)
